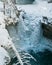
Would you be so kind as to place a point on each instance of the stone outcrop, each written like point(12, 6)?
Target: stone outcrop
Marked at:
point(47, 28)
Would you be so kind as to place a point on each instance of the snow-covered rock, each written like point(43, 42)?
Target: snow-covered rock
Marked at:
point(4, 56)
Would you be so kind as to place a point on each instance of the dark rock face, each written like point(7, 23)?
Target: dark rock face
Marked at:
point(47, 28)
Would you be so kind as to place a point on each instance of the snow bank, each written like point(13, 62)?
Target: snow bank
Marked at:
point(4, 57)
point(1, 6)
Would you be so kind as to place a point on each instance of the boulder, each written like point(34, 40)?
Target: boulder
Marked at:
point(47, 29)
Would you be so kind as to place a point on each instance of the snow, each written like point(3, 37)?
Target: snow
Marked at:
point(42, 9)
point(4, 56)
point(1, 6)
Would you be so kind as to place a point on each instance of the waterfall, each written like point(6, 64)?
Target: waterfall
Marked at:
point(23, 38)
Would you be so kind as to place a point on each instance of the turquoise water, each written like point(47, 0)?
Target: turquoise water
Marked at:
point(27, 36)
point(24, 1)
point(43, 58)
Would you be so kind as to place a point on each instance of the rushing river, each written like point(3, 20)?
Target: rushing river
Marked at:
point(27, 35)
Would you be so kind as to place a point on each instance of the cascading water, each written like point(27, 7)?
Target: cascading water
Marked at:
point(27, 36)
